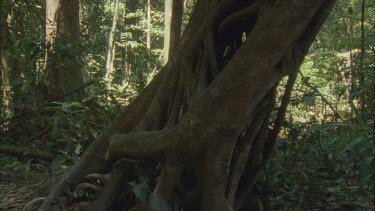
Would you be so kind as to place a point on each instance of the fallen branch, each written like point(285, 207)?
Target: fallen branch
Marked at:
point(36, 200)
point(22, 152)
point(45, 131)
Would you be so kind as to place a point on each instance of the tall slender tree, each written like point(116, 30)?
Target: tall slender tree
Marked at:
point(4, 38)
point(361, 59)
point(173, 13)
point(148, 41)
point(111, 46)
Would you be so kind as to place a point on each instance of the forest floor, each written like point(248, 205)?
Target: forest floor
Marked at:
point(289, 188)
point(16, 192)
point(297, 179)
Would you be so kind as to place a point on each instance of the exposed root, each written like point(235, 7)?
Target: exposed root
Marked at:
point(55, 191)
point(89, 186)
point(211, 51)
point(99, 178)
point(32, 202)
point(242, 156)
point(87, 206)
point(142, 145)
point(62, 202)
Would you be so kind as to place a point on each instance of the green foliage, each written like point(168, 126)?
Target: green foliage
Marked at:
point(327, 163)
point(72, 126)
point(142, 191)
point(12, 167)
point(322, 161)
point(66, 140)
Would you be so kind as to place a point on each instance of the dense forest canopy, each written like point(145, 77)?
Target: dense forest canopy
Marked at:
point(187, 105)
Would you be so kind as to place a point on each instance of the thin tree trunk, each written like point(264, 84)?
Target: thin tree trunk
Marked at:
point(172, 26)
point(124, 51)
point(176, 25)
point(361, 66)
point(111, 47)
point(352, 72)
point(4, 25)
point(52, 13)
point(167, 28)
point(148, 42)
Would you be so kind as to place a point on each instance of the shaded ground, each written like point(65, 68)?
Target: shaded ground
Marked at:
point(15, 193)
point(295, 180)
point(300, 178)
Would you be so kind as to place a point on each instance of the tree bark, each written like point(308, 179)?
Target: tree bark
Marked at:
point(62, 47)
point(4, 38)
point(52, 12)
point(202, 108)
point(148, 41)
point(172, 26)
point(362, 55)
point(111, 46)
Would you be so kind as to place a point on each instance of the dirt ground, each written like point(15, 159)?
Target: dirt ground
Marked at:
point(15, 193)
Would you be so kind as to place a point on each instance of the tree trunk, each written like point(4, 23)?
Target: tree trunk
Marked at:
point(362, 55)
point(172, 26)
point(62, 46)
point(204, 119)
point(4, 35)
point(52, 12)
point(148, 41)
point(111, 46)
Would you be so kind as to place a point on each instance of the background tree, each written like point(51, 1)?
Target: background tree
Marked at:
point(111, 45)
point(4, 39)
point(172, 26)
point(62, 53)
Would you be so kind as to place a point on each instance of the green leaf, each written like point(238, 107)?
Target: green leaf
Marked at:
point(55, 129)
point(78, 149)
point(14, 83)
point(26, 87)
point(88, 98)
point(65, 105)
point(357, 114)
point(367, 171)
point(353, 144)
point(77, 104)
point(141, 192)
point(133, 78)
point(309, 100)
point(143, 180)
point(335, 189)
point(46, 82)
point(27, 167)
point(55, 165)
point(158, 204)
point(260, 205)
